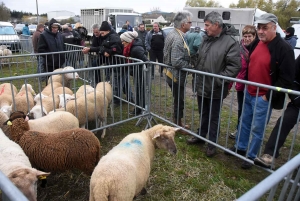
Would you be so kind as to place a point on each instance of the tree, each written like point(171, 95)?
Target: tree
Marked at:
point(4, 12)
point(202, 3)
point(283, 9)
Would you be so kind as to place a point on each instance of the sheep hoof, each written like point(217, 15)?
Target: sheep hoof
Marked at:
point(144, 191)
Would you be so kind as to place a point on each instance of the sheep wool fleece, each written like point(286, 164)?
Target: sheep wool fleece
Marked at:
point(56, 152)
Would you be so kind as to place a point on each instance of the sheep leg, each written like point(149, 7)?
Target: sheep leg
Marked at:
point(111, 110)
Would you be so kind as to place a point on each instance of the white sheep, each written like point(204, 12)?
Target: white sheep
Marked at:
point(2, 47)
point(47, 91)
point(52, 123)
point(123, 172)
point(38, 97)
point(45, 106)
point(7, 92)
point(83, 90)
point(16, 166)
point(106, 88)
point(64, 98)
point(63, 90)
point(64, 79)
point(24, 99)
point(92, 107)
point(7, 52)
point(56, 152)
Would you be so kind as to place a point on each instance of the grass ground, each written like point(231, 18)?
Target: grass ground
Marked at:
point(189, 175)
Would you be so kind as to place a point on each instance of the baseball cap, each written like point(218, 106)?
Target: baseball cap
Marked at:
point(197, 29)
point(266, 18)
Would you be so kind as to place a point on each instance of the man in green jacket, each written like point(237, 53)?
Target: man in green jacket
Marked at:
point(219, 54)
point(194, 40)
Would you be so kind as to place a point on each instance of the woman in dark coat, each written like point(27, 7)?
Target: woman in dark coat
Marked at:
point(133, 47)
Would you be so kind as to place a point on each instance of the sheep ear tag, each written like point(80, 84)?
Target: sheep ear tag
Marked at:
point(9, 123)
point(156, 136)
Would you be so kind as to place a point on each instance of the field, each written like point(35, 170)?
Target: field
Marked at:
point(189, 175)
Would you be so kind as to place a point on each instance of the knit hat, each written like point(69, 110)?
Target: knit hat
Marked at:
point(105, 26)
point(290, 30)
point(266, 18)
point(129, 36)
point(125, 26)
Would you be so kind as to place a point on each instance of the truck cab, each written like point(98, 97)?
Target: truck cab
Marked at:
point(119, 19)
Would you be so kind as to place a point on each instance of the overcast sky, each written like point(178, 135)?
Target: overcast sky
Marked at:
point(140, 6)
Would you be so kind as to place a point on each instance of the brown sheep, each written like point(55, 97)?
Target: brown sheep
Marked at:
point(56, 152)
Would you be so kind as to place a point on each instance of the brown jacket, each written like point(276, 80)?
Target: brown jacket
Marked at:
point(35, 40)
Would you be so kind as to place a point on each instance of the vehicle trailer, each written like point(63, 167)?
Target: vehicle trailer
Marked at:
point(117, 17)
point(239, 17)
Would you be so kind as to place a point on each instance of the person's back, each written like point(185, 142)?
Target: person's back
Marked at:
point(68, 36)
point(290, 38)
point(124, 29)
point(25, 30)
point(194, 40)
point(36, 36)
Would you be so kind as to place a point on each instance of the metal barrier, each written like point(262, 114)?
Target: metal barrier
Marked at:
point(150, 98)
point(289, 174)
point(26, 44)
point(9, 190)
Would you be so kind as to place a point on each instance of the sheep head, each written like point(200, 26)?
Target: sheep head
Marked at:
point(25, 180)
point(70, 76)
point(164, 138)
point(18, 123)
point(27, 87)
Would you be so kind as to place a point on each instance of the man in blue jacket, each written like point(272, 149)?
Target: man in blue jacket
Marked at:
point(25, 30)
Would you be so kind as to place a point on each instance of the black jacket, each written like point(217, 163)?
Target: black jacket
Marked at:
point(111, 43)
point(50, 42)
point(96, 43)
point(137, 50)
point(70, 38)
point(142, 36)
point(296, 84)
point(282, 68)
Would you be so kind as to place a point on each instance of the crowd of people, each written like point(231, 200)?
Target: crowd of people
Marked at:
point(261, 56)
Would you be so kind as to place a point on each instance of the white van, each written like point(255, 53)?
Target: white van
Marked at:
point(297, 33)
point(9, 37)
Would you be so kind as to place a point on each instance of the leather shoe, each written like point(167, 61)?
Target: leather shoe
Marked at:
point(210, 151)
point(194, 140)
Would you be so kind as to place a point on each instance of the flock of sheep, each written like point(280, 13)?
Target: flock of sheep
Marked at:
point(56, 140)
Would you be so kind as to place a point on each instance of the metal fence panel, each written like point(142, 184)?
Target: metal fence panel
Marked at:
point(129, 77)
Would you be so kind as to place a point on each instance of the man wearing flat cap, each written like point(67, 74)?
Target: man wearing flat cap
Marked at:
point(271, 62)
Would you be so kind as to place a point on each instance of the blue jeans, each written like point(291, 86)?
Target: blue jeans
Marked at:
point(259, 108)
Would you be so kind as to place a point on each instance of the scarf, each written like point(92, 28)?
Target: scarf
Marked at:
point(126, 51)
point(244, 51)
